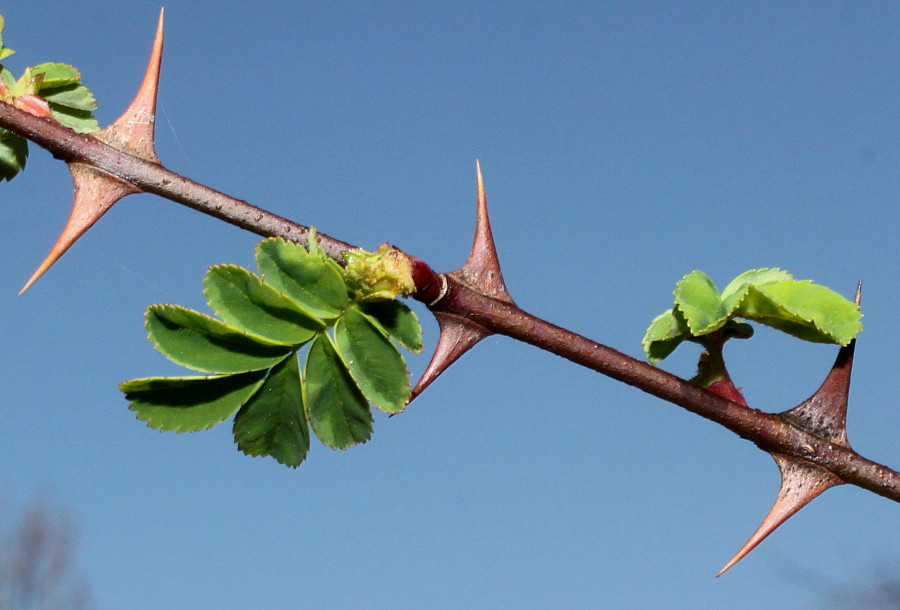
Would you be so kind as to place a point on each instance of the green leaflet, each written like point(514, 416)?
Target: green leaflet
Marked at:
point(13, 154)
point(56, 75)
point(768, 296)
point(802, 309)
point(736, 290)
point(205, 344)
point(4, 52)
point(374, 363)
point(397, 321)
point(190, 404)
point(273, 422)
point(699, 302)
point(71, 102)
point(315, 285)
point(666, 332)
point(337, 409)
point(242, 300)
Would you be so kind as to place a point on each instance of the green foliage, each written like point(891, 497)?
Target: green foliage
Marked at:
point(301, 300)
point(767, 296)
point(13, 154)
point(4, 51)
point(71, 103)
point(51, 88)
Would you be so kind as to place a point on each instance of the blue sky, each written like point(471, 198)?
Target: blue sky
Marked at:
point(623, 146)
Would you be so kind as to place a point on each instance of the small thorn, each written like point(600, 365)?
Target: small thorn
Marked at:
point(801, 482)
point(858, 298)
point(95, 190)
point(458, 336)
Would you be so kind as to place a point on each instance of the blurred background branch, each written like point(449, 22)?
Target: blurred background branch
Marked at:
point(37, 565)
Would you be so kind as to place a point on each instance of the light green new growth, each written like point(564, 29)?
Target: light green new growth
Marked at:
point(301, 300)
point(47, 89)
point(768, 296)
point(385, 274)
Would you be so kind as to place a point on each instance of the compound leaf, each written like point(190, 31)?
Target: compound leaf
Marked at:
point(273, 422)
point(202, 343)
point(373, 361)
point(242, 300)
point(316, 284)
point(190, 404)
point(338, 411)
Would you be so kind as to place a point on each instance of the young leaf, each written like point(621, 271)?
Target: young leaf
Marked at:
point(56, 75)
point(666, 332)
point(802, 309)
point(396, 320)
point(13, 154)
point(73, 107)
point(373, 361)
point(273, 422)
point(317, 286)
point(4, 51)
point(338, 411)
point(205, 344)
point(697, 298)
point(737, 289)
point(190, 404)
point(242, 300)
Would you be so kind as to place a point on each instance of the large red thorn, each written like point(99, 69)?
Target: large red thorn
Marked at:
point(95, 190)
point(482, 274)
point(824, 414)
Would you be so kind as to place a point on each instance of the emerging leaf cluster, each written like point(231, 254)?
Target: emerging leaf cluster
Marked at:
point(47, 89)
point(300, 299)
point(768, 296)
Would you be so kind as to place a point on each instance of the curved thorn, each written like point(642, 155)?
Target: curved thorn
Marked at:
point(458, 336)
point(95, 190)
point(482, 269)
point(801, 482)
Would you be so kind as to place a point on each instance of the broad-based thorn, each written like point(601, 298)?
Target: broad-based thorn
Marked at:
point(824, 414)
point(482, 270)
point(458, 336)
point(482, 274)
point(801, 482)
point(95, 190)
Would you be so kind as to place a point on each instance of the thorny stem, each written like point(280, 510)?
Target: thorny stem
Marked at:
point(770, 432)
point(69, 146)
